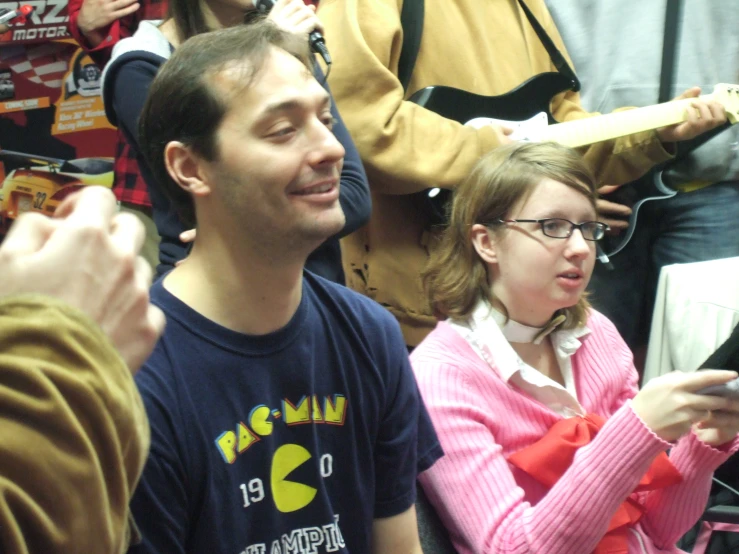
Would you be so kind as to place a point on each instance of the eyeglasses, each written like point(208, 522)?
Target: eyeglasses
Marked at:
point(563, 228)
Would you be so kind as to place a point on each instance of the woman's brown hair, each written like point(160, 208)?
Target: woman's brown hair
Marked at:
point(456, 278)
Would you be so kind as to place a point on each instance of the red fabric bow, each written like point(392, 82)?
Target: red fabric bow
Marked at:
point(548, 458)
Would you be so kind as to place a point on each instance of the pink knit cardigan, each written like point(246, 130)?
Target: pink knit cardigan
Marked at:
point(490, 507)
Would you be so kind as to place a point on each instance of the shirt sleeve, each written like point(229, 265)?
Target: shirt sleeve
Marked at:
point(73, 432)
point(406, 442)
point(354, 195)
point(475, 491)
point(129, 88)
point(161, 502)
point(671, 511)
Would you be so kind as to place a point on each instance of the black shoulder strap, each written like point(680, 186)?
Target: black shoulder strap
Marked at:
point(411, 21)
point(555, 55)
point(672, 21)
point(672, 26)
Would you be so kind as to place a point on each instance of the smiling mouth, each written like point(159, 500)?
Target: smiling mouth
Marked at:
point(319, 189)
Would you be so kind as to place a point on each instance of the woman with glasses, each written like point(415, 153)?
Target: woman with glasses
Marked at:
point(549, 445)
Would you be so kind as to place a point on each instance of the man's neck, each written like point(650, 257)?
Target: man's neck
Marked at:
point(238, 289)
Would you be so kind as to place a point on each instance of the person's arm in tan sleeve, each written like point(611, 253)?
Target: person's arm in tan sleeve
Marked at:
point(405, 148)
point(627, 158)
point(615, 161)
point(73, 431)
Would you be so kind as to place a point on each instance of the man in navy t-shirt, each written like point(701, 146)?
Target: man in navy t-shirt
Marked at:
point(284, 414)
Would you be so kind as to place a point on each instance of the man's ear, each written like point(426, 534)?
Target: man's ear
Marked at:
point(484, 243)
point(186, 168)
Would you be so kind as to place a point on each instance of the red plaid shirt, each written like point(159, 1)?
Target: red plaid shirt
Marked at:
point(128, 185)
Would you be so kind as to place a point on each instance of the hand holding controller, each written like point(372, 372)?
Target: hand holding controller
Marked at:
point(727, 390)
point(721, 426)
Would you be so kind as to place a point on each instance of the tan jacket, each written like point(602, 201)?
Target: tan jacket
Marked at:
point(73, 432)
point(486, 47)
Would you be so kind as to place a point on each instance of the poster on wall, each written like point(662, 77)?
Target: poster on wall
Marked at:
point(48, 21)
point(54, 137)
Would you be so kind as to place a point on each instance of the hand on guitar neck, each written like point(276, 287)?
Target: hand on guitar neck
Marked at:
point(702, 116)
point(527, 110)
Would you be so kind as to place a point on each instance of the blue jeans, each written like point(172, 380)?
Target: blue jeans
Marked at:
point(690, 227)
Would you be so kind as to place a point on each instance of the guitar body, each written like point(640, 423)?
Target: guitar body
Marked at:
point(651, 187)
point(525, 101)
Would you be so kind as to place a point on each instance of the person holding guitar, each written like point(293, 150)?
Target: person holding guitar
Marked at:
point(699, 223)
point(487, 48)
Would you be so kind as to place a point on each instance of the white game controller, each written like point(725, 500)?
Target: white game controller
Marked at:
point(727, 390)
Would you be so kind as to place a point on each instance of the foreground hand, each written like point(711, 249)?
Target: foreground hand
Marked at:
point(615, 215)
point(702, 117)
point(88, 257)
point(98, 14)
point(669, 405)
point(294, 16)
point(4, 28)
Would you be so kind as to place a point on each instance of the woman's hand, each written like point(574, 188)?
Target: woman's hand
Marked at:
point(189, 235)
point(186, 236)
point(96, 15)
point(719, 428)
point(669, 405)
point(295, 17)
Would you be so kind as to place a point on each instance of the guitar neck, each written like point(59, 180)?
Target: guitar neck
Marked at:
point(590, 130)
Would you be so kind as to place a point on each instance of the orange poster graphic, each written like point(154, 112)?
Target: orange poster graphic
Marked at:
point(22, 105)
point(80, 106)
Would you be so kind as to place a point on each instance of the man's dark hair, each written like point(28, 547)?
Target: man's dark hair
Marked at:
point(183, 104)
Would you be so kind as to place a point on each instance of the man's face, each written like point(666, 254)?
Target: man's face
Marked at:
point(278, 164)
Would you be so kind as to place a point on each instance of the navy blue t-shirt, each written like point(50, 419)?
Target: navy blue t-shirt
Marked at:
point(288, 442)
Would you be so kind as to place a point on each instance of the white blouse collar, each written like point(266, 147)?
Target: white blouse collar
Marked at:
point(514, 331)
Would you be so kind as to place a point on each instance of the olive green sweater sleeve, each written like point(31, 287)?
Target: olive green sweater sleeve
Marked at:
point(73, 432)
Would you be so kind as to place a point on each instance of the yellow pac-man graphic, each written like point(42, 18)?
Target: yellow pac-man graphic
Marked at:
point(290, 496)
point(259, 420)
point(313, 409)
